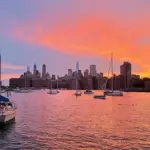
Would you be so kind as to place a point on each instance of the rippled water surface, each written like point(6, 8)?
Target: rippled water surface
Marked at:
point(65, 122)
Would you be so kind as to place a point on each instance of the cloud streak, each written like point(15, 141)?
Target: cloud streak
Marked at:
point(12, 67)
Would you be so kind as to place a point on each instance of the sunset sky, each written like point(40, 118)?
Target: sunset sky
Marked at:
point(60, 32)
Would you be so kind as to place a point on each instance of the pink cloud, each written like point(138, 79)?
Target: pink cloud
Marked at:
point(96, 29)
point(13, 67)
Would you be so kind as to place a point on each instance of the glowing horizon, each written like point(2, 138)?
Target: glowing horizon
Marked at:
point(87, 28)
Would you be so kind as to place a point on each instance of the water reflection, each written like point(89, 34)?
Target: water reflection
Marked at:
point(63, 122)
point(6, 129)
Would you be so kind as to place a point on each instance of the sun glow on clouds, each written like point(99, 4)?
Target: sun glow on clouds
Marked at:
point(8, 76)
point(95, 28)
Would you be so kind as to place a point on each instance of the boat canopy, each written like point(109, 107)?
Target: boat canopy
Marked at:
point(3, 99)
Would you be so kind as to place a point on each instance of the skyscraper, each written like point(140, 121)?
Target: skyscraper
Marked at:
point(93, 70)
point(34, 70)
point(125, 70)
point(86, 73)
point(44, 71)
point(70, 72)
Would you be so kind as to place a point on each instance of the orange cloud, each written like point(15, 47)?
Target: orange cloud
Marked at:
point(8, 76)
point(13, 67)
point(91, 34)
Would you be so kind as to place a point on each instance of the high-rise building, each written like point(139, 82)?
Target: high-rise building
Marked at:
point(86, 73)
point(38, 75)
point(44, 71)
point(80, 73)
point(53, 77)
point(70, 72)
point(28, 73)
point(47, 76)
point(125, 70)
point(101, 74)
point(34, 70)
point(93, 70)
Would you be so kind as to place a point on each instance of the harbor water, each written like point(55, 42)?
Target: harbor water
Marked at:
point(64, 122)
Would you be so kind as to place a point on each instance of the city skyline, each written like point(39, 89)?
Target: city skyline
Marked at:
point(59, 33)
point(91, 70)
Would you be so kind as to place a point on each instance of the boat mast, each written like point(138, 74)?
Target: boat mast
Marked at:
point(25, 81)
point(112, 72)
point(51, 85)
point(57, 83)
point(77, 69)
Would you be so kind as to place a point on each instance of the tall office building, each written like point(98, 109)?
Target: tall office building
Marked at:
point(53, 77)
point(70, 72)
point(86, 73)
point(93, 70)
point(47, 75)
point(101, 74)
point(34, 70)
point(38, 75)
point(44, 71)
point(125, 71)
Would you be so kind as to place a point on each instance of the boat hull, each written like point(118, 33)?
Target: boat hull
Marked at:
point(77, 94)
point(23, 91)
point(7, 116)
point(114, 94)
point(88, 93)
point(52, 92)
point(100, 97)
point(109, 93)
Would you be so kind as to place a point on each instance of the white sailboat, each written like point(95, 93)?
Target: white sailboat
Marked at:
point(103, 97)
point(77, 92)
point(112, 92)
point(23, 90)
point(7, 108)
point(53, 92)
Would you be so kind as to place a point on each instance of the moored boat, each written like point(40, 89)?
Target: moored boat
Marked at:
point(100, 97)
point(78, 93)
point(22, 90)
point(7, 110)
point(88, 92)
point(52, 92)
point(112, 92)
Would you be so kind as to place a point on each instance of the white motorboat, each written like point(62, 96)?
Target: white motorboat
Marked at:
point(7, 110)
point(88, 92)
